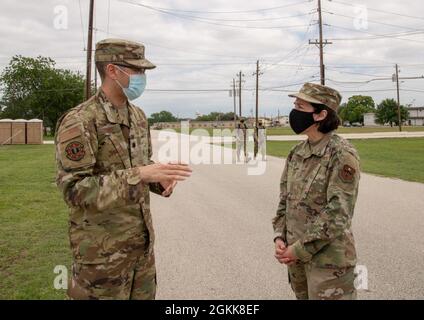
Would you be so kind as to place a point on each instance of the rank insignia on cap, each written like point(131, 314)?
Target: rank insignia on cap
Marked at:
point(75, 151)
point(347, 173)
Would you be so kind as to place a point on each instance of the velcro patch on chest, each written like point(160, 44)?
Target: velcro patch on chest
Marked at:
point(347, 173)
point(75, 151)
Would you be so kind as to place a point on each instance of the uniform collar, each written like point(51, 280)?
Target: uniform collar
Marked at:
point(307, 149)
point(108, 107)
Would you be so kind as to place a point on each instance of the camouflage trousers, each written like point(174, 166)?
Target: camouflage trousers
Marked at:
point(312, 283)
point(121, 279)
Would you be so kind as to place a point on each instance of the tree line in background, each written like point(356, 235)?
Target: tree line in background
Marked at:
point(166, 116)
point(350, 112)
point(35, 88)
point(386, 112)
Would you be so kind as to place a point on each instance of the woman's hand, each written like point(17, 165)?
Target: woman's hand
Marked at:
point(284, 254)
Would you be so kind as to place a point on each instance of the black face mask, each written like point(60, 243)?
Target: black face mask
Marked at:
point(300, 120)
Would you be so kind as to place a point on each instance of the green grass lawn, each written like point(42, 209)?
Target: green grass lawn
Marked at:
point(288, 131)
point(401, 158)
point(48, 138)
point(281, 131)
point(33, 224)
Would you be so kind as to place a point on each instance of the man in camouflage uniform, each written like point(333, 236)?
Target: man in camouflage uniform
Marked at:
point(241, 140)
point(260, 140)
point(318, 191)
point(105, 172)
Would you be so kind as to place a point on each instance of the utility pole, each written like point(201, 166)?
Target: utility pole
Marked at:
point(95, 41)
point(257, 95)
point(89, 52)
point(395, 78)
point(257, 109)
point(320, 44)
point(234, 96)
point(240, 74)
point(398, 98)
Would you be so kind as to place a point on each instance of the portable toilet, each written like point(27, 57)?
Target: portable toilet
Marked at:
point(19, 131)
point(5, 131)
point(34, 131)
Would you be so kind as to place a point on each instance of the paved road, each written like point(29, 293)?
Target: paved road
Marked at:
point(214, 235)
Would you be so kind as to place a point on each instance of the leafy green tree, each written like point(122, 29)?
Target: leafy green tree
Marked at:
point(162, 116)
point(342, 112)
point(387, 112)
point(355, 108)
point(217, 116)
point(229, 116)
point(34, 88)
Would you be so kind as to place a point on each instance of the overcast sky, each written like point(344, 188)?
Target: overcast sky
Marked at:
point(202, 45)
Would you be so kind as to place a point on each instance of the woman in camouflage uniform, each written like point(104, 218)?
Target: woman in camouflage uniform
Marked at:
point(319, 187)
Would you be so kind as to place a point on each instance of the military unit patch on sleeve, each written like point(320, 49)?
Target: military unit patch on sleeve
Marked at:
point(75, 151)
point(347, 173)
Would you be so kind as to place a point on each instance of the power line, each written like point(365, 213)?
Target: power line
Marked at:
point(359, 82)
point(179, 49)
point(82, 25)
point(379, 10)
point(259, 19)
point(52, 90)
point(205, 64)
point(246, 20)
point(413, 89)
point(373, 21)
point(108, 16)
point(213, 90)
point(361, 57)
point(373, 34)
point(290, 85)
point(294, 50)
point(293, 77)
point(299, 52)
point(187, 90)
point(296, 65)
point(376, 90)
point(355, 73)
point(203, 20)
point(237, 11)
point(390, 35)
point(225, 90)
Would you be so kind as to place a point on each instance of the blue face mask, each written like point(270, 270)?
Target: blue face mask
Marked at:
point(136, 85)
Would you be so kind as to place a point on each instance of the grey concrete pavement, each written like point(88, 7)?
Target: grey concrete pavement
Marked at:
point(214, 235)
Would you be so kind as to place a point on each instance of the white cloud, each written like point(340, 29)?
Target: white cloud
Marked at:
point(175, 44)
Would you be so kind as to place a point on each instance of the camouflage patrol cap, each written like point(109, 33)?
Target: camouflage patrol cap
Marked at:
point(317, 93)
point(122, 52)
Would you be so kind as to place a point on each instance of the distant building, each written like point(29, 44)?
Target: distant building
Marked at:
point(196, 125)
point(369, 119)
point(227, 124)
point(416, 116)
point(281, 121)
point(267, 122)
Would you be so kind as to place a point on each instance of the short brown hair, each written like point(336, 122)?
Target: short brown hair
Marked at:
point(331, 122)
point(101, 68)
